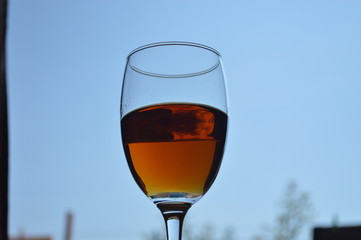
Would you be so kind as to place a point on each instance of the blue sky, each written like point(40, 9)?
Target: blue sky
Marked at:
point(294, 80)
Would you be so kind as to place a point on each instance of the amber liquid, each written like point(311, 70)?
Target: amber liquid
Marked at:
point(174, 150)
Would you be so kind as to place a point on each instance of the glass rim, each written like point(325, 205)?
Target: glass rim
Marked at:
point(174, 43)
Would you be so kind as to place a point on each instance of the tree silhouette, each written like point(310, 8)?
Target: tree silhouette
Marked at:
point(296, 211)
point(154, 236)
point(228, 234)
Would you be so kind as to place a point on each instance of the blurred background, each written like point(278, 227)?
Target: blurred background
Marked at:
point(294, 80)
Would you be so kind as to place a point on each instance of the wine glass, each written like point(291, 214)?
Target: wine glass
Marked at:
point(174, 124)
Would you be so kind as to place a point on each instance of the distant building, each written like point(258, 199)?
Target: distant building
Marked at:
point(30, 238)
point(68, 231)
point(337, 233)
point(22, 236)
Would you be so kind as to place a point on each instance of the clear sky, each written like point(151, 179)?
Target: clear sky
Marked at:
point(294, 78)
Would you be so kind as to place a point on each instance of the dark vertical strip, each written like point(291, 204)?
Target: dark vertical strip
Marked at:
point(4, 164)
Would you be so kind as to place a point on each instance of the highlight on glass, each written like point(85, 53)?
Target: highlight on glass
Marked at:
point(174, 124)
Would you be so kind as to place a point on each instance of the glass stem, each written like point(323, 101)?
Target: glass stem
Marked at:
point(174, 214)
